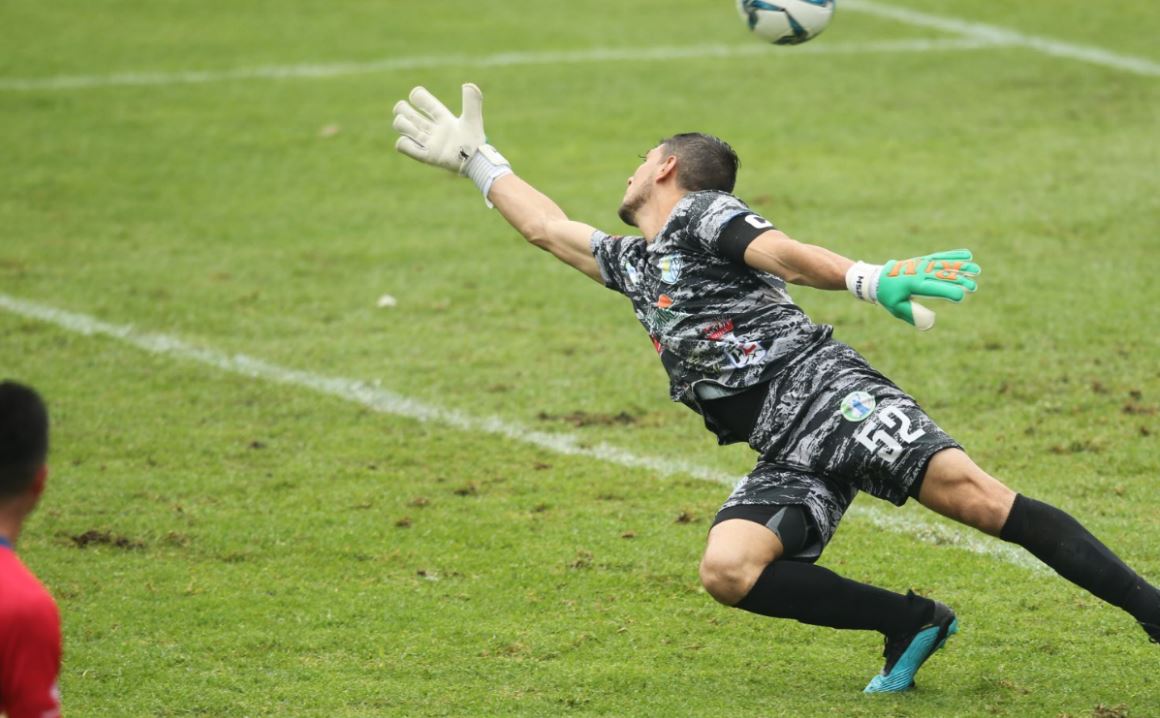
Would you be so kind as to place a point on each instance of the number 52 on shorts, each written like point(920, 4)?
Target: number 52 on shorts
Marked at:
point(887, 432)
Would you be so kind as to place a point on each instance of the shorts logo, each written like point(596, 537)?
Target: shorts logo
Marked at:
point(857, 406)
point(671, 267)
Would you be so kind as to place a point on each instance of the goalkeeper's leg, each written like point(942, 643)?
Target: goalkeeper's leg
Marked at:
point(743, 567)
point(955, 487)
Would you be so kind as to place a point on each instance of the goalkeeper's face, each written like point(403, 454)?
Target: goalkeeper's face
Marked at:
point(640, 186)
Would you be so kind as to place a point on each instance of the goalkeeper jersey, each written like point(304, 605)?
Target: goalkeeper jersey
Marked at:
point(712, 319)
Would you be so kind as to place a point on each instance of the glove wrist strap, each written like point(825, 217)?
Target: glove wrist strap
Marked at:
point(484, 167)
point(862, 281)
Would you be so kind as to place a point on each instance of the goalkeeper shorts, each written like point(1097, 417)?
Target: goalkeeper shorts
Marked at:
point(831, 426)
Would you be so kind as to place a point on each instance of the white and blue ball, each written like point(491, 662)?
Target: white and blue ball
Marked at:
point(786, 22)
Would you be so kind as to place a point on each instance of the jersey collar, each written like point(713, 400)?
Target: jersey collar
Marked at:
point(678, 219)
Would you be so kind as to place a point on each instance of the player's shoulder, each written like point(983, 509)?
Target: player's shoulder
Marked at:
point(22, 596)
point(705, 213)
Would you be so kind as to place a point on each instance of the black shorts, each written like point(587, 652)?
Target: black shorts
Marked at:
point(792, 524)
point(832, 426)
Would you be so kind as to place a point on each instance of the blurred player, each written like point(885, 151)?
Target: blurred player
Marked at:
point(708, 281)
point(29, 621)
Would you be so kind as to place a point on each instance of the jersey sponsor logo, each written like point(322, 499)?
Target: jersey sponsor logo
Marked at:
point(671, 266)
point(887, 445)
point(662, 321)
point(719, 330)
point(758, 222)
point(857, 405)
point(739, 352)
point(744, 353)
point(664, 301)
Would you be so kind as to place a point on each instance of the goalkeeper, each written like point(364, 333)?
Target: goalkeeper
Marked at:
point(707, 279)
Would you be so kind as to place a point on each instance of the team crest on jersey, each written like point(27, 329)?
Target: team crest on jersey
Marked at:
point(671, 266)
point(857, 405)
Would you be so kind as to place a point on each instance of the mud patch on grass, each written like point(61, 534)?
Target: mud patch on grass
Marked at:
point(583, 560)
point(1089, 446)
point(1134, 408)
point(94, 537)
point(581, 419)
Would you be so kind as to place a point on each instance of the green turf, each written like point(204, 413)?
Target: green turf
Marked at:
point(287, 553)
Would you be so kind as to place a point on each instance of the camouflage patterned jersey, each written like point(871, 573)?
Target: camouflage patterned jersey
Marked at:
point(710, 318)
point(829, 425)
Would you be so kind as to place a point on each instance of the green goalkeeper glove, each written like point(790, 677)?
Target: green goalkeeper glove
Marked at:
point(431, 134)
point(944, 275)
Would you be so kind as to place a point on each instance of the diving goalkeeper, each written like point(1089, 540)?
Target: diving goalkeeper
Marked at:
point(707, 279)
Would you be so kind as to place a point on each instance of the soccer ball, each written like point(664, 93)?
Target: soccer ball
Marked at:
point(786, 22)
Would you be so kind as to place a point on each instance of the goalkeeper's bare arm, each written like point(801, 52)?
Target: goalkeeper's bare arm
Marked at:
point(430, 133)
point(541, 221)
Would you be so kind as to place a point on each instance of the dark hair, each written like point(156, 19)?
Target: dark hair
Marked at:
point(703, 161)
point(23, 437)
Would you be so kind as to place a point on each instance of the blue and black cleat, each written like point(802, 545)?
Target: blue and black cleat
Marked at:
point(906, 654)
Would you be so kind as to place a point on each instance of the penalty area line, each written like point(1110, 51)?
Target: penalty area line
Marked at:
point(380, 400)
point(505, 59)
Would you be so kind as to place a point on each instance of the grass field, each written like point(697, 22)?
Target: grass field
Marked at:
point(454, 536)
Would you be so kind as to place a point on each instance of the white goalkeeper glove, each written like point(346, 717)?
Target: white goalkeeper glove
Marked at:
point(431, 134)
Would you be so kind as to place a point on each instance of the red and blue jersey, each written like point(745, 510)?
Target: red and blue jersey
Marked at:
point(29, 642)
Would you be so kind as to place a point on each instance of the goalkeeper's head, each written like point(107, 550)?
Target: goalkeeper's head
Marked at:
point(23, 449)
point(687, 162)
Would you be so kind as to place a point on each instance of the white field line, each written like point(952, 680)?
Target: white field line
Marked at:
point(972, 36)
point(387, 402)
point(506, 59)
point(944, 535)
point(1003, 36)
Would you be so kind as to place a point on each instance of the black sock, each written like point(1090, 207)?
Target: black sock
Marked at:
point(815, 595)
point(1062, 543)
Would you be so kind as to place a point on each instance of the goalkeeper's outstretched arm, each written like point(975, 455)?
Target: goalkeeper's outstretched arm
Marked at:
point(894, 284)
point(544, 224)
point(430, 133)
